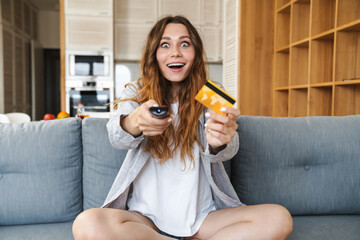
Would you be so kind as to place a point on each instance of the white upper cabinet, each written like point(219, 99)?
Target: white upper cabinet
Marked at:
point(89, 33)
point(191, 9)
point(211, 37)
point(89, 25)
point(89, 7)
point(211, 12)
point(135, 11)
point(134, 19)
point(130, 40)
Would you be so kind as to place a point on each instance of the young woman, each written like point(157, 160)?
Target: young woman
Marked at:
point(172, 184)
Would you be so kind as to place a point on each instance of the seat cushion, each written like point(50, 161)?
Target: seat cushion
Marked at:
point(53, 231)
point(310, 165)
point(40, 171)
point(342, 227)
point(101, 162)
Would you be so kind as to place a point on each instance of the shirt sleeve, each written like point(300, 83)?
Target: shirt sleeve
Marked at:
point(227, 153)
point(119, 138)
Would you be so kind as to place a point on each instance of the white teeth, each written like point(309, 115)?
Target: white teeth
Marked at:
point(175, 65)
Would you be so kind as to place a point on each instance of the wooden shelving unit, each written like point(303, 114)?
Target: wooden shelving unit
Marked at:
point(316, 58)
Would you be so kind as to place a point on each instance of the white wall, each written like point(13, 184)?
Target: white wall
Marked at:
point(49, 29)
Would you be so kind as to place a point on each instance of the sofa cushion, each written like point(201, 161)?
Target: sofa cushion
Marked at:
point(341, 227)
point(53, 231)
point(40, 171)
point(310, 165)
point(101, 162)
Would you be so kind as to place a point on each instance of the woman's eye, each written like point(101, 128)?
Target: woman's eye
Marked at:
point(184, 44)
point(165, 45)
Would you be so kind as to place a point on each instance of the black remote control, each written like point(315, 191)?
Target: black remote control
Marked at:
point(160, 112)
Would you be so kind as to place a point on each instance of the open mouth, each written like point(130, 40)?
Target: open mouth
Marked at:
point(175, 65)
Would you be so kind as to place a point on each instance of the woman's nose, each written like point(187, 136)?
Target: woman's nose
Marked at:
point(176, 52)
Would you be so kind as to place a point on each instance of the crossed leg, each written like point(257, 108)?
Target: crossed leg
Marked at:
point(265, 222)
point(113, 224)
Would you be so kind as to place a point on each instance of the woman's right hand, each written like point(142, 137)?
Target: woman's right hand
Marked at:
point(142, 121)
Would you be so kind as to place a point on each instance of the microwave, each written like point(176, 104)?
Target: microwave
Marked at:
point(87, 65)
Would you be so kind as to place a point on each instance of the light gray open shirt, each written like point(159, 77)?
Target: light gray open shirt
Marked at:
point(223, 192)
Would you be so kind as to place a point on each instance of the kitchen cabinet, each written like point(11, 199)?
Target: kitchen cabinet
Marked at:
point(15, 77)
point(6, 11)
point(18, 16)
point(16, 27)
point(6, 78)
point(140, 11)
point(89, 33)
point(89, 25)
point(27, 18)
point(34, 24)
point(191, 9)
point(133, 20)
point(89, 7)
point(130, 40)
point(212, 10)
point(211, 36)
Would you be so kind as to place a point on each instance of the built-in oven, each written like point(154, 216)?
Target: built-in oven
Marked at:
point(95, 96)
point(89, 65)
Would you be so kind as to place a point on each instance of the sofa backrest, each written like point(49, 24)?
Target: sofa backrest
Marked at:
point(40, 171)
point(101, 162)
point(310, 165)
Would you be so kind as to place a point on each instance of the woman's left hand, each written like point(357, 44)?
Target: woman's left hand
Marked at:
point(220, 129)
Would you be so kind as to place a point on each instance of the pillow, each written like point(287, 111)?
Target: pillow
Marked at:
point(101, 162)
point(310, 165)
point(40, 171)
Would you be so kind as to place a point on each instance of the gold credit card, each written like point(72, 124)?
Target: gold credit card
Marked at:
point(214, 97)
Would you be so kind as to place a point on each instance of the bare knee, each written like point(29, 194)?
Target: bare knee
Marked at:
point(280, 222)
point(88, 225)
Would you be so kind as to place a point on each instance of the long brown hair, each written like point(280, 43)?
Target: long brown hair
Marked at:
point(153, 85)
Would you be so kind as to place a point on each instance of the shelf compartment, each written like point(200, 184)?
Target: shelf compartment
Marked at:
point(320, 101)
point(323, 16)
point(347, 100)
point(298, 102)
point(281, 73)
point(347, 56)
point(321, 62)
point(299, 65)
point(281, 103)
point(283, 28)
point(300, 21)
point(348, 11)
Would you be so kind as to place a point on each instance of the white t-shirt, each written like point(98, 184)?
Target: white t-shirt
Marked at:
point(177, 200)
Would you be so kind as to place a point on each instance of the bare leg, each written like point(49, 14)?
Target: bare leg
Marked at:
point(265, 222)
point(113, 224)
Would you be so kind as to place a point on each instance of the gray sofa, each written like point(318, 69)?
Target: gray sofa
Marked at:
point(51, 171)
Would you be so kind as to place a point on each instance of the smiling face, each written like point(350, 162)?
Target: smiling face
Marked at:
point(175, 53)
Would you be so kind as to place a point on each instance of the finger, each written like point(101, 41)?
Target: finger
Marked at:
point(220, 118)
point(220, 138)
point(232, 112)
point(220, 128)
point(151, 103)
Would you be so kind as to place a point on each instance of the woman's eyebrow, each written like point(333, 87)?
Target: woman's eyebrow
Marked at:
point(181, 37)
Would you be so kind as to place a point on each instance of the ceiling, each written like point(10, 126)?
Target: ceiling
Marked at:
point(46, 5)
